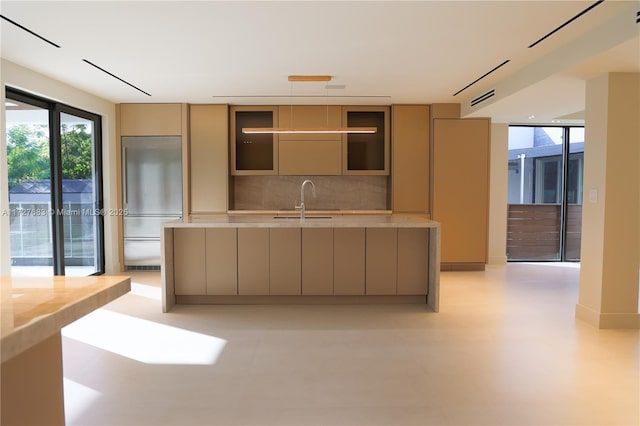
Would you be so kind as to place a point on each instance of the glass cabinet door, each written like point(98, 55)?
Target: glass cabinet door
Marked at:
point(253, 153)
point(366, 153)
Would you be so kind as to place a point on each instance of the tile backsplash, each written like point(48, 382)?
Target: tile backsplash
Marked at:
point(332, 193)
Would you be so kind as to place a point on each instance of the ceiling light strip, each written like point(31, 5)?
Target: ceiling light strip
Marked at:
point(480, 78)
point(303, 96)
point(115, 76)
point(568, 22)
point(29, 31)
point(318, 130)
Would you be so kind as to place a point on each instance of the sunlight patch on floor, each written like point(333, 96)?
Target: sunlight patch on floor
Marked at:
point(145, 341)
point(148, 291)
point(78, 399)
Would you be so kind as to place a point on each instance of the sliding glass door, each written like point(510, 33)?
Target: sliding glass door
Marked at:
point(55, 187)
point(545, 193)
point(29, 172)
point(82, 221)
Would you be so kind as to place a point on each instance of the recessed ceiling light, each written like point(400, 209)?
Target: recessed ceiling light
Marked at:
point(531, 117)
point(10, 104)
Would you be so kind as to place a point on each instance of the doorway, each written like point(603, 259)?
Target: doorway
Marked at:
point(55, 187)
point(545, 193)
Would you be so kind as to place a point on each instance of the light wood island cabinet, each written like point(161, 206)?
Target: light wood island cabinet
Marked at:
point(221, 246)
point(349, 261)
point(317, 261)
point(284, 262)
point(413, 267)
point(343, 259)
point(381, 261)
point(189, 261)
point(253, 261)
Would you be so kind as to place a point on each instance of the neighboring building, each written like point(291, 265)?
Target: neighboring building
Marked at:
point(535, 166)
point(30, 211)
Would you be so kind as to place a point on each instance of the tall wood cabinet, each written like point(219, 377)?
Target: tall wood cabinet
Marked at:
point(208, 158)
point(461, 190)
point(410, 170)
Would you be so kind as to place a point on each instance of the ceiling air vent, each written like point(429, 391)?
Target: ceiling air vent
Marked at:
point(483, 97)
point(638, 17)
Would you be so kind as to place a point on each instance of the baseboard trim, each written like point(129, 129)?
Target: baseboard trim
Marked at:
point(607, 320)
point(497, 260)
point(466, 266)
point(299, 300)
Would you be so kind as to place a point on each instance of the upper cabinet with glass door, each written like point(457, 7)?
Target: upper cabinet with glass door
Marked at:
point(366, 153)
point(253, 154)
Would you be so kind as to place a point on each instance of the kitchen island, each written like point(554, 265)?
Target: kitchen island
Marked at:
point(33, 312)
point(326, 258)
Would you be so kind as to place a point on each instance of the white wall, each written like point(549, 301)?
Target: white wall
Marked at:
point(21, 78)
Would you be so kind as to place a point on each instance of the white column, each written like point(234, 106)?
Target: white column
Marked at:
point(610, 254)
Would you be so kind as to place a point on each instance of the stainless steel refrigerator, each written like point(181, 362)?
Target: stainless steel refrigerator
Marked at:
point(152, 193)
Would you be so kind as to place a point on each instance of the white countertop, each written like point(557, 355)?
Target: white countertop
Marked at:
point(314, 220)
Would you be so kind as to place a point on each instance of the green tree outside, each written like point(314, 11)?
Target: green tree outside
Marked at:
point(76, 152)
point(28, 153)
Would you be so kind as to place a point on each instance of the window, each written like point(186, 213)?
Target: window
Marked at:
point(545, 193)
point(55, 187)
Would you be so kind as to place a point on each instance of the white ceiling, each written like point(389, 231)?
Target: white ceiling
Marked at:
point(382, 52)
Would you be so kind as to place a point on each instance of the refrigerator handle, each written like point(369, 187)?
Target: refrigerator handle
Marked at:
point(124, 177)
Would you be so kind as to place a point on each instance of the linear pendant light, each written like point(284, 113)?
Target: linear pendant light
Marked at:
point(315, 130)
point(308, 130)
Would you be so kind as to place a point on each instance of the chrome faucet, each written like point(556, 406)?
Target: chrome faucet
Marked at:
point(301, 206)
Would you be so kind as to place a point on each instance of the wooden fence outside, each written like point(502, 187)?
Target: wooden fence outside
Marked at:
point(533, 232)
